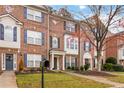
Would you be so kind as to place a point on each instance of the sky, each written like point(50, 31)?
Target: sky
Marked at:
point(75, 9)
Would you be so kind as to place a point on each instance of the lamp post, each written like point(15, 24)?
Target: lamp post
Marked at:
point(42, 73)
point(43, 63)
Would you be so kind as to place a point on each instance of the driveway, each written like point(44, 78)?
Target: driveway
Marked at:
point(8, 80)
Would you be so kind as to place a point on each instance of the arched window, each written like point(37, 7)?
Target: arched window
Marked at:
point(1, 32)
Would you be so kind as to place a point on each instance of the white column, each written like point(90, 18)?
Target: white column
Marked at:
point(52, 62)
point(57, 63)
point(14, 61)
point(91, 64)
point(70, 61)
point(3, 55)
point(63, 61)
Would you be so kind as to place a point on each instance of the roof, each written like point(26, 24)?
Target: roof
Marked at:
point(9, 15)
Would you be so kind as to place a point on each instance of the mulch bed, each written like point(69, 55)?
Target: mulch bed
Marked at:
point(1, 72)
point(96, 73)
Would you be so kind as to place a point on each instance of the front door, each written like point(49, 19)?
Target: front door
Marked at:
point(55, 63)
point(9, 61)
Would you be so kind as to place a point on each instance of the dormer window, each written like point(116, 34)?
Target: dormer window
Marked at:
point(69, 26)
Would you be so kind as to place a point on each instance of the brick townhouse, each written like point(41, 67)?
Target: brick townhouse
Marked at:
point(115, 47)
point(31, 33)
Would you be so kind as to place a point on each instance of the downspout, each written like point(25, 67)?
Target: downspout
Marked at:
point(48, 35)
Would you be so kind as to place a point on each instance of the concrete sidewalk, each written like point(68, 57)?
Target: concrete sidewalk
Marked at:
point(99, 79)
point(8, 80)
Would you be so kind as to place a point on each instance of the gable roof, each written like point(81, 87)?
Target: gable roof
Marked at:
point(12, 17)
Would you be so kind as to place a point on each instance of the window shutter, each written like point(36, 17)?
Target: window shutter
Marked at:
point(1, 32)
point(84, 46)
point(25, 59)
point(89, 46)
point(15, 34)
point(75, 27)
point(51, 41)
point(25, 36)
point(58, 42)
point(25, 12)
point(43, 38)
point(64, 25)
point(42, 17)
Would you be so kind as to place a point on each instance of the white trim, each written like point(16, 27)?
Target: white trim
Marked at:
point(14, 61)
point(3, 61)
point(58, 63)
point(8, 15)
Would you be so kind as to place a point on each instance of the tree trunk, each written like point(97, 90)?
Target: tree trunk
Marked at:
point(98, 60)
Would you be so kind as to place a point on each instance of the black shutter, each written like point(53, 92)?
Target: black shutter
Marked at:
point(89, 46)
point(25, 59)
point(15, 34)
point(25, 12)
point(64, 25)
point(84, 46)
point(1, 32)
point(50, 41)
point(43, 38)
point(42, 17)
point(58, 42)
point(75, 27)
point(25, 36)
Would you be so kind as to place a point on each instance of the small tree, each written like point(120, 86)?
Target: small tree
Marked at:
point(111, 60)
point(21, 65)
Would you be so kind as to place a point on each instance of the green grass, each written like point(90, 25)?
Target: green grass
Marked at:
point(57, 80)
point(118, 78)
point(118, 73)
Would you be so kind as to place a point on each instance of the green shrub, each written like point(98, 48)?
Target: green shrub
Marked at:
point(72, 68)
point(108, 67)
point(111, 60)
point(76, 68)
point(81, 68)
point(68, 67)
point(86, 66)
point(118, 68)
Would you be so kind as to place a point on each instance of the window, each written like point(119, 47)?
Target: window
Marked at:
point(71, 43)
point(69, 26)
point(87, 46)
point(76, 44)
point(34, 15)
point(67, 62)
point(73, 61)
point(87, 61)
point(123, 52)
point(33, 60)
point(35, 37)
point(54, 42)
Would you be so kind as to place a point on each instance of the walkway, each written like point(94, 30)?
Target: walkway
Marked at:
point(8, 80)
point(99, 79)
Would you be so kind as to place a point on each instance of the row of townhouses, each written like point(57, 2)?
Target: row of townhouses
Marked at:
point(33, 32)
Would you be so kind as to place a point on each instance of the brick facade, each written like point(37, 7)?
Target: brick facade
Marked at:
point(52, 26)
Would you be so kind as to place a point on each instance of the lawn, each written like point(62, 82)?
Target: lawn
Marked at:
point(57, 80)
point(118, 78)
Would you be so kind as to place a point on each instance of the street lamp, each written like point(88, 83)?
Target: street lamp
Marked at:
point(43, 63)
